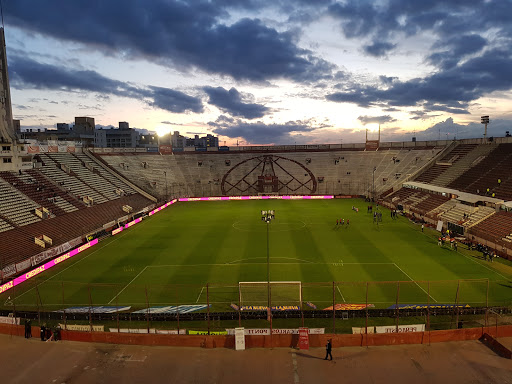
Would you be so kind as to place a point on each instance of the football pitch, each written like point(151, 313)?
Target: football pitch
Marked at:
point(198, 253)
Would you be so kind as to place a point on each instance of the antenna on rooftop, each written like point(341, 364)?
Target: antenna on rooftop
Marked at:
point(2, 13)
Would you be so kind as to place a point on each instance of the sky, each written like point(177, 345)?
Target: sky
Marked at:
point(265, 71)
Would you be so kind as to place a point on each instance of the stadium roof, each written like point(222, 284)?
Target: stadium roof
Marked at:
point(461, 196)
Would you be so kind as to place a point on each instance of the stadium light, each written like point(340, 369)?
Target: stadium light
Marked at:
point(267, 217)
point(485, 120)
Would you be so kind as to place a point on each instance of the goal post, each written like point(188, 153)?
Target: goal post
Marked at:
point(282, 293)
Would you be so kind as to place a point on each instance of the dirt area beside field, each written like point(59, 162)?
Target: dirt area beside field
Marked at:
point(33, 361)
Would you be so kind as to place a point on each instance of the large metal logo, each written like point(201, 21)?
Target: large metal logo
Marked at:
point(268, 174)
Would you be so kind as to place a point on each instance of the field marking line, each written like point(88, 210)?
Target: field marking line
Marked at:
point(228, 264)
point(257, 258)
point(295, 368)
point(126, 286)
point(71, 265)
point(200, 293)
point(472, 258)
point(415, 282)
point(341, 294)
point(483, 265)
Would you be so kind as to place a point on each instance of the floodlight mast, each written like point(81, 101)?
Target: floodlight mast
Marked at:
point(485, 121)
point(267, 217)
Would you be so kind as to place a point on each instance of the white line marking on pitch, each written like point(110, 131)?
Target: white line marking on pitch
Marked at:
point(414, 282)
point(200, 293)
point(126, 286)
point(341, 294)
point(295, 368)
point(227, 264)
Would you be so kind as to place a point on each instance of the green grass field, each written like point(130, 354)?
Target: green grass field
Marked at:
point(169, 258)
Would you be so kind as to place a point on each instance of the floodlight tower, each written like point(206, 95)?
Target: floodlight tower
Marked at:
point(267, 217)
point(485, 121)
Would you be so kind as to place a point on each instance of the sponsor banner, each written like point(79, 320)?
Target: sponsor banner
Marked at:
point(239, 339)
point(264, 308)
point(222, 198)
point(349, 307)
point(165, 149)
point(46, 266)
point(431, 306)
point(235, 307)
point(133, 223)
point(174, 309)
point(132, 330)
point(275, 331)
point(82, 327)
point(23, 265)
point(362, 330)
point(100, 309)
point(303, 338)
point(311, 305)
point(117, 230)
point(9, 271)
point(52, 252)
point(10, 320)
point(401, 328)
point(206, 332)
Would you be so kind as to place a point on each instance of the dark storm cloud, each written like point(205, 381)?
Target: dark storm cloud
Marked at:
point(376, 119)
point(378, 48)
point(231, 102)
point(29, 74)
point(449, 90)
point(259, 132)
point(178, 33)
point(456, 48)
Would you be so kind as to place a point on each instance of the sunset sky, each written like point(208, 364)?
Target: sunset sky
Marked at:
point(261, 71)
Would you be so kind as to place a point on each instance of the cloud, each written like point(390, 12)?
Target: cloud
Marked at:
point(260, 132)
point(375, 119)
point(174, 101)
point(232, 102)
point(174, 33)
point(450, 90)
point(378, 48)
point(29, 74)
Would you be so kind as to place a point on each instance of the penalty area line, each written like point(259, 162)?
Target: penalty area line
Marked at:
point(199, 296)
point(126, 286)
point(419, 286)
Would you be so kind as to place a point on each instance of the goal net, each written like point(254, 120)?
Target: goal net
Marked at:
point(282, 293)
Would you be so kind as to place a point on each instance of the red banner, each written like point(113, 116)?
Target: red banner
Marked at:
point(303, 338)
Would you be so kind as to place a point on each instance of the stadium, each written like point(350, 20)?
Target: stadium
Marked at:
point(372, 243)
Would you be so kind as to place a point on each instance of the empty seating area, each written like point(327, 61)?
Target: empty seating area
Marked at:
point(442, 165)
point(18, 245)
point(15, 206)
point(41, 191)
point(486, 173)
point(5, 226)
point(494, 228)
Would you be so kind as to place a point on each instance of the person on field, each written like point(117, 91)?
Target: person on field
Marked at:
point(328, 349)
point(422, 227)
point(337, 221)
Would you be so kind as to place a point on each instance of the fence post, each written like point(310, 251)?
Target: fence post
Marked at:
point(239, 306)
point(38, 300)
point(147, 306)
point(208, 306)
point(487, 305)
point(428, 311)
point(117, 312)
point(177, 309)
point(90, 305)
point(301, 304)
point(457, 305)
point(64, 306)
point(396, 306)
point(366, 324)
point(14, 301)
point(333, 308)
